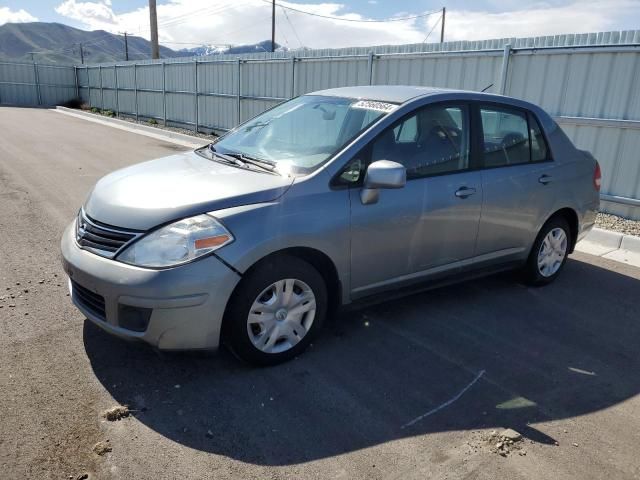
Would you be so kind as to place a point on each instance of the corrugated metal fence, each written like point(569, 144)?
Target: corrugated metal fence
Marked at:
point(590, 83)
point(34, 84)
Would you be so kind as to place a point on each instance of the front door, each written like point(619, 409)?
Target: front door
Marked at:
point(430, 225)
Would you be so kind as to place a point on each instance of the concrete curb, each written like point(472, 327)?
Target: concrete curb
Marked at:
point(153, 132)
point(612, 245)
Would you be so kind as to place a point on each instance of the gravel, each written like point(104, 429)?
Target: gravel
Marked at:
point(159, 126)
point(618, 224)
point(185, 131)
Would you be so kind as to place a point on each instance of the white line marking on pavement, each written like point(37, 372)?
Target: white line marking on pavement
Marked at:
point(445, 404)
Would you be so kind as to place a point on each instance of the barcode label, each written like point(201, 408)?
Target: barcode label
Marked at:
point(372, 105)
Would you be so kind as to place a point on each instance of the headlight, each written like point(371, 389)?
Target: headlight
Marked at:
point(177, 243)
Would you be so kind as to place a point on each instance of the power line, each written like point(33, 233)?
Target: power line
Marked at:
point(392, 19)
point(292, 27)
point(184, 17)
point(432, 29)
point(226, 32)
point(71, 46)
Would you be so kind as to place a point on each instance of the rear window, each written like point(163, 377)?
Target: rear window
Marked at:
point(511, 137)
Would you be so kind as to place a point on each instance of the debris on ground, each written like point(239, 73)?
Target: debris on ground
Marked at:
point(505, 442)
point(82, 476)
point(511, 434)
point(501, 442)
point(101, 448)
point(116, 413)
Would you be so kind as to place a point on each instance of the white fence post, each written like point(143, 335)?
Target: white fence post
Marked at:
point(115, 75)
point(195, 95)
point(75, 74)
point(164, 95)
point(135, 86)
point(504, 74)
point(86, 71)
point(37, 81)
point(238, 68)
point(101, 90)
point(293, 77)
point(370, 67)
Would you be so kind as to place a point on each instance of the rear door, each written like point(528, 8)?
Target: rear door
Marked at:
point(517, 182)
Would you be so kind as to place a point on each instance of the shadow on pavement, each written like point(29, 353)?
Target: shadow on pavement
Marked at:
point(564, 350)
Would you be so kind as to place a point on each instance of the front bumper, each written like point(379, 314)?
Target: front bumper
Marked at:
point(186, 303)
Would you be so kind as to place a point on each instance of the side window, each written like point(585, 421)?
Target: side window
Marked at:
point(407, 132)
point(505, 136)
point(352, 173)
point(539, 149)
point(433, 140)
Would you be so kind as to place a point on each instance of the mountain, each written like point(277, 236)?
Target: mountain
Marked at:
point(264, 46)
point(203, 50)
point(57, 43)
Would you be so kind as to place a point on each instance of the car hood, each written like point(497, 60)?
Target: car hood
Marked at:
point(151, 193)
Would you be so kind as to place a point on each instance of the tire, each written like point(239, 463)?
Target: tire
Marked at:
point(283, 290)
point(537, 274)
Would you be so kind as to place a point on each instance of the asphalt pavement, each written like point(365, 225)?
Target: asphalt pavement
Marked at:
point(407, 389)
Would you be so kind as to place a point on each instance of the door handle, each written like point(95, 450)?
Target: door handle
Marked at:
point(544, 179)
point(464, 192)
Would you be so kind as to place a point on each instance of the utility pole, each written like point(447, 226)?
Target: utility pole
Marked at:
point(273, 25)
point(444, 13)
point(153, 20)
point(81, 55)
point(126, 47)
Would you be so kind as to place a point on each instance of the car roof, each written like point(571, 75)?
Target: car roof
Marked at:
point(385, 93)
point(402, 94)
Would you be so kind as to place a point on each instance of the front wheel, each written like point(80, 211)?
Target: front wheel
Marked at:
point(276, 311)
point(549, 252)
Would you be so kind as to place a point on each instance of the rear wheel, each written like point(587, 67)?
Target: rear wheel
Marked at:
point(549, 252)
point(276, 311)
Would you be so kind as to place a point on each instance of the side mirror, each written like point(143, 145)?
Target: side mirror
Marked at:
point(382, 174)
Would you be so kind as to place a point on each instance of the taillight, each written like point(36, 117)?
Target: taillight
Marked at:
point(597, 177)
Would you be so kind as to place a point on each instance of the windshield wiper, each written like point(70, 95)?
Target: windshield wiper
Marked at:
point(242, 160)
point(226, 158)
point(259, 162)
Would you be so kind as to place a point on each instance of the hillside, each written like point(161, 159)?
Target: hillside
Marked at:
point(57, 43)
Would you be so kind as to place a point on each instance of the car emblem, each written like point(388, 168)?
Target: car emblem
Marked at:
point(81, 229)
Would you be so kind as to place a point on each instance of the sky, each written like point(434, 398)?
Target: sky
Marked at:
point(185, 23)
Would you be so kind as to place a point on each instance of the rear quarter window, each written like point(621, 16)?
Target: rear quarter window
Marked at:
point(539, 148)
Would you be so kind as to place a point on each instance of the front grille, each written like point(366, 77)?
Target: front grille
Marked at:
point(89, 300)
point(102, 239)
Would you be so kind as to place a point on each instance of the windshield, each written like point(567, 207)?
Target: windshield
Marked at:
point(303, 133)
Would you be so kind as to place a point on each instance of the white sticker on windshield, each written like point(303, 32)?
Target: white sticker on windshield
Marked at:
point(372, 105)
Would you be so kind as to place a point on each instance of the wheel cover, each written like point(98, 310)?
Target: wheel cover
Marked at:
point(281, 316)
point(552, 252)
